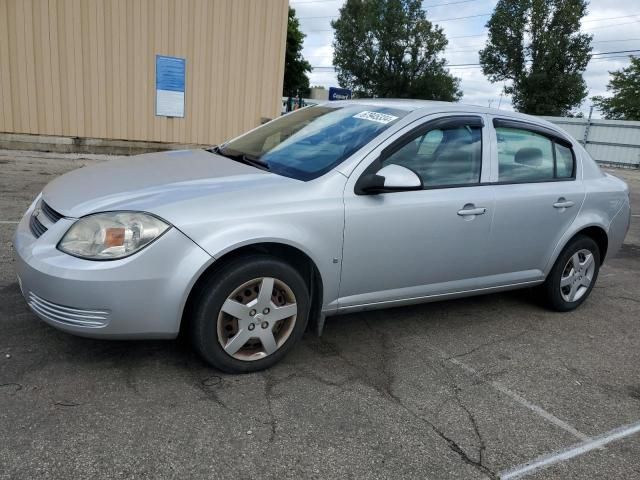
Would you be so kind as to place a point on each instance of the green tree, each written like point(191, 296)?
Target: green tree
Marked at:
point(388, 48)
point(296, 67)
point(536, 47)
point(624, 84)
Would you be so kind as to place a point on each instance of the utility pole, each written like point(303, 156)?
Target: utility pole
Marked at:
point(587, 127)
point(501, 94)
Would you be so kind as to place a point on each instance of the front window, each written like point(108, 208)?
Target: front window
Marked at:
point(308, 143)
point(443, 157)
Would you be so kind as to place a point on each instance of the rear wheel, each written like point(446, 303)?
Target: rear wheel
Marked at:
point(250, 314)
point(573, 275)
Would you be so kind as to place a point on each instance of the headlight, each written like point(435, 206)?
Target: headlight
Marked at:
point(111, 235)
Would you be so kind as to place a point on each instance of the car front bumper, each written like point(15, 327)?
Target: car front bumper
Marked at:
point(141, 296)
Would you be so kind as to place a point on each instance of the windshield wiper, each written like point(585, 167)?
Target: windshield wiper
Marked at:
point(255, 161)
point(242, 157)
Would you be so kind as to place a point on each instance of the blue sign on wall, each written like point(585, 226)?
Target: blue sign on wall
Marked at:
point(339, 93)
point(170, 82)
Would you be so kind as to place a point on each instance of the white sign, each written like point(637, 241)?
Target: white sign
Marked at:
point(169, 103)
point(383, 118)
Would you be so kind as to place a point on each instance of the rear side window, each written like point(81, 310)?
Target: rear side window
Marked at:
point(564, 162)
point(525, 156)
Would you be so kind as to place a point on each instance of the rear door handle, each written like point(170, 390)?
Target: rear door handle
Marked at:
point(471, 210)
point(563, 203)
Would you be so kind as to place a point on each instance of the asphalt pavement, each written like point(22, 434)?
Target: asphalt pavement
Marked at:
point(472, 388)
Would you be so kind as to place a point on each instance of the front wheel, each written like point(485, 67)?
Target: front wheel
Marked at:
point(250, 314)
point(573, 275)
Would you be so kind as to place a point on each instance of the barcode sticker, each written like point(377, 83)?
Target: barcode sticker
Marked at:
point(376, 117)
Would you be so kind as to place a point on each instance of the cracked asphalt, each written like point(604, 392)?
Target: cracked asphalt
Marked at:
point(451, 390)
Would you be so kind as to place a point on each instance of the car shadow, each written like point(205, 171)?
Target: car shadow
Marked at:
point(128, 355)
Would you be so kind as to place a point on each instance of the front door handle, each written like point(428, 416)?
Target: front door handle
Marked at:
point(471, 209)
point(563, 203)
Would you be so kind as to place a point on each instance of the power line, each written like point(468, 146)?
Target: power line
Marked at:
point(434, 20)
point(476, 49)
point(450, 38)
point(617, 40)
point(597, 53)
point(614, 41)
point(322, 16)
point(600, 59)
point(614, 25)
point(611, 18)
point(468, 36)
point(619, 51)
point(314, 1)
point(448, 3)
point(478, 65)
point(489, 14)
point(296, 2)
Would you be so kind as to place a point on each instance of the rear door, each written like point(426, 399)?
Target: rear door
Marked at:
point(537, 198)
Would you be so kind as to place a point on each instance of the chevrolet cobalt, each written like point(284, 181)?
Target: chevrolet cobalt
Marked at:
point(335, 208)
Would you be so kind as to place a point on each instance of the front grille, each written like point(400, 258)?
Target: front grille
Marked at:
point(50, 212)
point(37, 228)
point(43, 213)
point(78, 317)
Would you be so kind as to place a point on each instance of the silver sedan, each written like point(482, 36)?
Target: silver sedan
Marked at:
point(335, 208)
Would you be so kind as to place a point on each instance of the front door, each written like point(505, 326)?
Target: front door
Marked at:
point(412, 244)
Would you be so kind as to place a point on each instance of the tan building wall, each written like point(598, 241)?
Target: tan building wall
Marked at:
point(86, 68)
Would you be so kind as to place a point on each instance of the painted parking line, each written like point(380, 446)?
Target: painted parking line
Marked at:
point(549, 417)
point(9, 222)
point(563, 455)
point(522, 401)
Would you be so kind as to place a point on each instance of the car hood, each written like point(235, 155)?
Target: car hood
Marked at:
point(150, 181)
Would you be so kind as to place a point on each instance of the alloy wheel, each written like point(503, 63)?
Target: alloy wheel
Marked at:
point(577, 275)
point(257, 318)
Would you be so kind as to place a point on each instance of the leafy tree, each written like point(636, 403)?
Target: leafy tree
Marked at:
point(624, 104)
point(388, 48)
point(296, 67)
point(537, 48)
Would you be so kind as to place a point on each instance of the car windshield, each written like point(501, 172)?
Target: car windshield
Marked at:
point(308, 143)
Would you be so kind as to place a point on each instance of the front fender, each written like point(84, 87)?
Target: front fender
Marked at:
point(322, 248)
point(308, 216)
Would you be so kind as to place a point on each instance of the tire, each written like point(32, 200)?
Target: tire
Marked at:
point(257, 290)
point(576, 283)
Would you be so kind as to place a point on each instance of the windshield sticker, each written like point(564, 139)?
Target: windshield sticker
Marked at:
point(376, 117)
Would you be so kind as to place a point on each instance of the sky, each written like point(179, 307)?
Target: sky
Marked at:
point(615, 26)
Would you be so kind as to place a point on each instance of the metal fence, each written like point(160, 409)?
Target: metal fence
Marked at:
point(611, 142)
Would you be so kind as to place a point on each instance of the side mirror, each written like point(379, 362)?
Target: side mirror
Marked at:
point(392, 178)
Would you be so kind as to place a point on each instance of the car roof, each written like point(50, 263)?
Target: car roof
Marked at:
point(432, 106)
point(400, 103)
